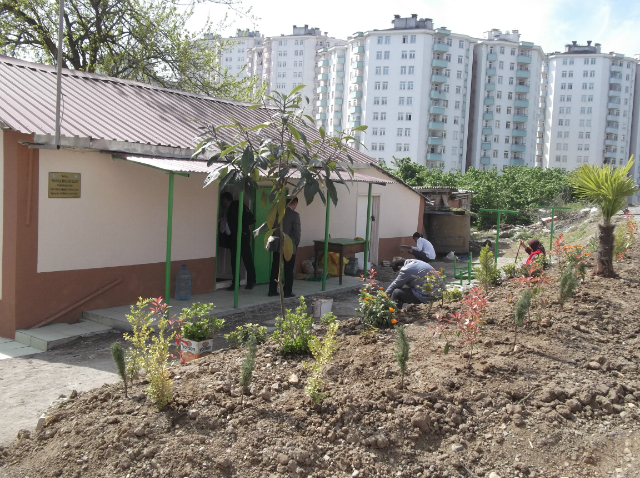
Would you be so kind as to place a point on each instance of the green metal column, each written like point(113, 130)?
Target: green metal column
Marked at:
point(167, 273)
point(325, 264)
point(366, 237)
point(236, 285)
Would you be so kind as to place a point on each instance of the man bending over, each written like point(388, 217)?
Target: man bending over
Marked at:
point(408, 286)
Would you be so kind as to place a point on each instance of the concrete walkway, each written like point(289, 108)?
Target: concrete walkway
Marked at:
point(223, 300)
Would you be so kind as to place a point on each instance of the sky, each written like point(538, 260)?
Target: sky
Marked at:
point(548, 23)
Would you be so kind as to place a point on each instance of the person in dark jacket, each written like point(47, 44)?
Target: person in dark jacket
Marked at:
point(292, 228)
point(534, 248)
point(228, 227)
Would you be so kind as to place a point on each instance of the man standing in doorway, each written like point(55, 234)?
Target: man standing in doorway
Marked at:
point(228, 227)
point(292, 228)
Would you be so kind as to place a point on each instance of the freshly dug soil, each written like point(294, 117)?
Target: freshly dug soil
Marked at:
point(564, 404)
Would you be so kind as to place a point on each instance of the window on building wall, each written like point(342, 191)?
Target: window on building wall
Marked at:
point(407, 116)
point(374, 146)
point(570, 74)
point(494, 153)
point(412, 39)
point(585, 73)
point(460, 58)
point(376, 85)
point(565, 146)
point(398, 147)
point(383, 116)
point(412, 54)
point(589, 98)
point(378, 70)
point(376, 100)
point(568, 97)
point(403, 85)
point(401, 100)
point(511, 80)
point(501, 65)
point(374, 131)
point(378, 55)
point(449, 41)
point(385, 85)
point(498, 109)
point(560, 122)
point(584, 86)
point(379, 40)
point(381, 147)
point(409, 85)
point(457, 105)
point(399, 132)
point(403, 70)
point(458, 90)
point(587, 135)
point(384, 100)
point(375, 117)
point(580, 147)
point(387, 40)
point(593, 61)
point(591, 85)
point(586, 146)
point(502, 50)
point(579, 159)
point(400, 116)
point(406, 147)
point(513, 52)
point(499, 80)
point(589, 110)
point(459, 74)
point(409, 100)
point(586, 61)
point(571, 61)
point(505, 154)
point(387, 55)
point(563, 74)
point(383, 131)
point(407, 131)
point(559, 134)
point(506, 139)
point(411, 70)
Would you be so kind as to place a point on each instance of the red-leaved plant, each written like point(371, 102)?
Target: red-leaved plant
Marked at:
point(465, 322)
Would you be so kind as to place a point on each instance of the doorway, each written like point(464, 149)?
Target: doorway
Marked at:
point(361, 227)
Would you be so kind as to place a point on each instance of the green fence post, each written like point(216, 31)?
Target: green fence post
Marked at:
point(236, 285)
point(366, 243)
point(167, 271)
point(553, 214)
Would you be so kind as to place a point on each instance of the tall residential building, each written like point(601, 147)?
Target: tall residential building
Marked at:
point(589, 107)
point(285, 61)
point(504, 101)
point(409, 84)
point(634, 147)
point(234, 57)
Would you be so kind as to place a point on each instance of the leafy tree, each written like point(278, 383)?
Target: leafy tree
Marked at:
point(288, 149)
point(608, 187)
point(140, 40)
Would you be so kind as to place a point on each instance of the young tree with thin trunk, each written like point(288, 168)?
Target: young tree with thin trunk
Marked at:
point(608, 188)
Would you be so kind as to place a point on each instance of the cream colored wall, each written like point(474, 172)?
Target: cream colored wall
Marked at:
point(1, 204)
point(121, 216)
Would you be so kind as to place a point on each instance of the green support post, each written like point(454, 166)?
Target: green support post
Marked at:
point(499, 212)
point(366, 237)
point(553, 213)
point(236, 285)
point(325, 261)
point(167, 273)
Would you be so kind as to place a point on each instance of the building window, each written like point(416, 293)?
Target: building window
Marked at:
point(403, 70)
point(495, 153)
point(412, 54)
point(403, 85)
point(387, 55)
point(378, 70)
point(398, 147)
point(381, 147)
point(378, 55)
point(400, 116)
point(385, 85)
point(401, 100)
point(500, 80)
point(375, 116)
point(458, 90)
point(459, 75)
point(384, 100)
point(383, 116)
point(406, 146)
point(374, 131)
point(501, 65)
point(385, 70)
point(376, 100)
point(379, 40)
point(459, 58)
point(412, 39)
point(407, 117)
point(409, 100)
point(387, 40)
point(407, 131)
point(376, 85)
point(409, 85)
point(403, 55)
point(411, 70)
point(374, 146)
point(399, 132)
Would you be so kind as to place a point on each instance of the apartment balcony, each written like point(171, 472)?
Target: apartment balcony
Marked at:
point(613, 118)
point(487, 130)
point(520, 118)
point(485, 160)
point(516, 162)
point(355, 109)
point(356, 79)
point(339, 87)
point(436, 110)
point(519, 132)
point(321, 89)
point(322, 63)
point(523, 59)
point(439, 63)
point(358, 49)
point(321, 116)
point(434, 157)
point(323, 76)
point(610, 155)
point(540, 129)
point(523, 74)
point(353, 124)
point(321, 103)
point(439, 79)
point(611, 129)
point(487, 116)
point(489, 100)
point(443, 31)
point(436, 125)
point(491, 71)
point(545, 67)
point(338, 101)
point(522, 89)
point(337, 128)
point(615, 92)
point(486, 145)
point(355, 94)
point(615, 81)
point(435, 141)
point(544, 81)
point(356, 65)
point(611, 142)
point(337, 114)
point(613, 105)
point(443, 47)
point(521, 103)
point(492, 56)
point(539, 140)
point(437, 94)
point(518, 147)
point(616, 68)
point(542, 104)
point(490, 86)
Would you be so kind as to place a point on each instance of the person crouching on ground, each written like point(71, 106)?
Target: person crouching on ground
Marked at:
point(407, 288)
point(423, 250)
point(534, 249)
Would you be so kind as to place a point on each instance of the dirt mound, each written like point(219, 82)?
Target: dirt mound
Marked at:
point(565, 403)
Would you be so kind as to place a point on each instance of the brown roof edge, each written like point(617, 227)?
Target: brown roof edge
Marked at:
point(401, 182)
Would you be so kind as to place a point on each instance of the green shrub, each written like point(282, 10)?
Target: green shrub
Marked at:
point(248, 364)
point(140, 320)
point(453, 295)
point(243, 334)
point(402, 352)
point(509, 269)
point(521, 311)
point(487, 274)
point(159, 388)
point(376, 308)
point(117, 353)
point(197, 323)
point(322, 351)
point(292, 333)
point(568, 284)
point(328, 319)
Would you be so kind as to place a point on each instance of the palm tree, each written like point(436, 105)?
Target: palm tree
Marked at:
point(608, 187)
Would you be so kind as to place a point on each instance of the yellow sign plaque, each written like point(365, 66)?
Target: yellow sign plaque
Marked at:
point(64, 185)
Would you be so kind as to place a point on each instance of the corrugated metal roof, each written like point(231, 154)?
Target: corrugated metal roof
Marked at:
point(194, 166)
point(101, 107)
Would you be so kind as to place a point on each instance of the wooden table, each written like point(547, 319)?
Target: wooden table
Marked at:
point(342, 247)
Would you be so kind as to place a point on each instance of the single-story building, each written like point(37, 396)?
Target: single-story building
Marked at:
point(85, 226)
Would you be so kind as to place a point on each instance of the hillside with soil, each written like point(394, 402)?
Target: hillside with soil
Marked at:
point(563, 404)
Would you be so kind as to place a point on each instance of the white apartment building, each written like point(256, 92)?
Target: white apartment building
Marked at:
point(589, 107)
point(285, 61)
point(504, 101)
point(408, 84)
point(234, 58)
point(635, 129)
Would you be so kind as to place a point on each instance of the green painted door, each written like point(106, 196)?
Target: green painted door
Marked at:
point(261, 257)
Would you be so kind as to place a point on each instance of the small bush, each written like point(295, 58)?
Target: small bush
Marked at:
point(328, 319)
point(322, 351)
point(292, 333)
point(197, 324)
point(510, 269)
point(376, 307)
point(117, 353)
point(243, 334)
point(521, 311)
point(453, 295)
point(568, 284)
point(140, 319)
point(248, 364)
point(159, 388)
point(402, 352)
point(487, 274)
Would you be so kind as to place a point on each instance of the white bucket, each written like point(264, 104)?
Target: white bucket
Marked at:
point(321, 306)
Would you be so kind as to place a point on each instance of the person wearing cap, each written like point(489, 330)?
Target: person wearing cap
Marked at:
point(534, 248)
point(291, 227)
point(423, 250)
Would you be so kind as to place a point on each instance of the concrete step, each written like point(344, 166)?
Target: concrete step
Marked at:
point(12, 349)
point(54, 335)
